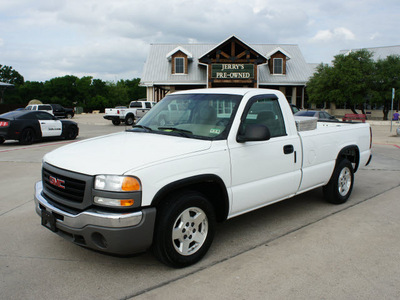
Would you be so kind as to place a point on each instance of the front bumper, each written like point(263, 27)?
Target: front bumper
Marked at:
point(116, 233)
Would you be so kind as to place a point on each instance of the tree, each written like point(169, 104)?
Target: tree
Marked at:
point(387, 77)
point(30, 90)
point(348, 81)
point(83, 87)
point(118, 93)
point(134, 90)
point(63, 88)
point(320, 83)
point(8, 75)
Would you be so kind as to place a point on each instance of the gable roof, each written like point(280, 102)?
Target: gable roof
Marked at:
point(157, 68)
point(231, 38)
point(278, 49)
point(177, 49)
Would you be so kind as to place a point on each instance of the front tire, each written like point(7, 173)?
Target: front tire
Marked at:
point(72, 133)
point(184, 230)
point(340, 185)
point(27, 136)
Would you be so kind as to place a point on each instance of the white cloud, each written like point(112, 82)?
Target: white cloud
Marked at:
point(374, 36)
point(340, 33)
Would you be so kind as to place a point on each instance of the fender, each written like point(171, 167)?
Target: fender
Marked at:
point(210, 185)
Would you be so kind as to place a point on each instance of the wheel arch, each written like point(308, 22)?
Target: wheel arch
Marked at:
point(36, 130)
point(210, 185)
point(352, 153)
point(130, 114)
point(66, 127)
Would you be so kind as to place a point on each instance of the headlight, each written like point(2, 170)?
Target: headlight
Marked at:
point(114, 202)
point(115, 183)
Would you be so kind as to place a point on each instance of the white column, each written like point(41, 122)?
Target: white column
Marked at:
point(294, 94)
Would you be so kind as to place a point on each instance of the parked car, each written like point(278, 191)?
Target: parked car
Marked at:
point(320, 115)
point(62, 112)
point(28, 126)
point(45, 107)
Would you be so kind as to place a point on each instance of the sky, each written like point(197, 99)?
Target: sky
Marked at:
point(110, 39)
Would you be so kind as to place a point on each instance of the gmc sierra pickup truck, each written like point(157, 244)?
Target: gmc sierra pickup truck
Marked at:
point(165, 185)
point(136, 110)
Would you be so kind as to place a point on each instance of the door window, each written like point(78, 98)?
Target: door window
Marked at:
point(266, 111)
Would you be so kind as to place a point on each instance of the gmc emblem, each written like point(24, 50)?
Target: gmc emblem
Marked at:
point(57, 182)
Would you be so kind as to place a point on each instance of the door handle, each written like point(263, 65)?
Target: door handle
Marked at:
point(287, 149)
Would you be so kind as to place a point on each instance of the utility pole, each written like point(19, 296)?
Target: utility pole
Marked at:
point(391, 113)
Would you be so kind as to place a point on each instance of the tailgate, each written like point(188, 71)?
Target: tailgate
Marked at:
point(113, 111)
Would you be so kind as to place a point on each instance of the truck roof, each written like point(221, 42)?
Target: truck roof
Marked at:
point(233, 91)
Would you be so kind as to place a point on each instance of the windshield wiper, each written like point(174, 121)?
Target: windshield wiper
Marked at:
point(142, 127)
point(182, 132)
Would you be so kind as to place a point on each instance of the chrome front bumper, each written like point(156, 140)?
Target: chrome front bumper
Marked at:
point(116, 233)
point(91, 216)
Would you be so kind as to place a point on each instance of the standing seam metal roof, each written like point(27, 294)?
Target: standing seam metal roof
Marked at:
point(378, 52)
point(157, 69)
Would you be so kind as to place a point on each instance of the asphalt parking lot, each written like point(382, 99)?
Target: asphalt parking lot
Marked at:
point(301, 248)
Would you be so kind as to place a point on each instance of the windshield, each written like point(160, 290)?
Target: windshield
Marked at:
point(202, 116)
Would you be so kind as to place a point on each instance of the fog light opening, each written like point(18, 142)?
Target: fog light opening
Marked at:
point(99, 240)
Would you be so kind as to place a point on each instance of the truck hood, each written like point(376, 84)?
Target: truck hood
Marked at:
point(121, 152)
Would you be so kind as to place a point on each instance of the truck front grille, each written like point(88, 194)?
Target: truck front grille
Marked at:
point(69, 189)
point(63, 186)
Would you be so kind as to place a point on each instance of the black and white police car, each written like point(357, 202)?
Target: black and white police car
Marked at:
point(28, 126)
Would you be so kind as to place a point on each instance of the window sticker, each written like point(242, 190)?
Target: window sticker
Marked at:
point(215, 131)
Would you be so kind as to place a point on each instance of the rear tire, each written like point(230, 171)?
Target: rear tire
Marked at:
point(27, 136)
point(2, 140)
point(129, 119)
point(184, 230)
point(116, 122)
point(340, 186)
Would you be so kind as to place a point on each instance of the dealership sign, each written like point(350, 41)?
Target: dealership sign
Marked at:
point(232, 71)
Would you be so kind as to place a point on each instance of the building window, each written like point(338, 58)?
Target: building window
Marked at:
point(278, 66)
point(179, 65)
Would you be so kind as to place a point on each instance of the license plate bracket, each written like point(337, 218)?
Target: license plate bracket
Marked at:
point(49, 220)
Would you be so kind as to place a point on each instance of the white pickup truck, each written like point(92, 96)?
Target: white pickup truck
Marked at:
point(136, 110)
point(165, 185)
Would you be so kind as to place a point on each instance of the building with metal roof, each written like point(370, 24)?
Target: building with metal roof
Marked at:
point(377, 52)
point(231, 63)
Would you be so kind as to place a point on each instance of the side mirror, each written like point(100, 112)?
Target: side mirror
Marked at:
point(254, 133)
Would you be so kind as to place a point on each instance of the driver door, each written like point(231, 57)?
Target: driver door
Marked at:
point(49, 125)
point(264, 171)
